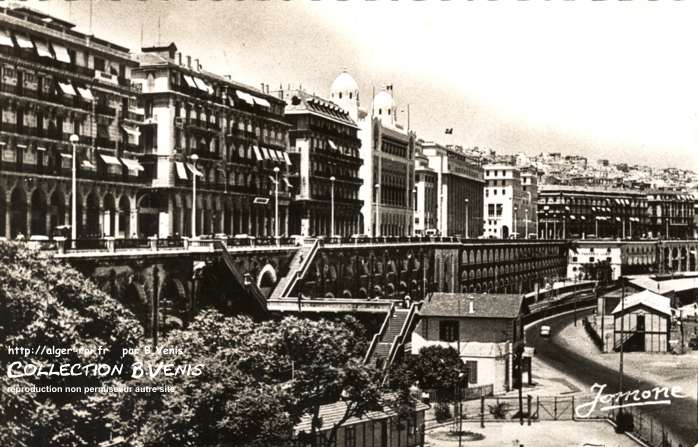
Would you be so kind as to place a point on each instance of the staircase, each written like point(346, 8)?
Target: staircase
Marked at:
point(296, 270)
point(244, 281)
point(394, 334)
point(627, 335)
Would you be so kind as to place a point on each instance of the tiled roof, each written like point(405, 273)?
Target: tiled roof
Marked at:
point(647, 298)
point(485, 305)
point(485, 350)
point(332, 413)
point(313, 104)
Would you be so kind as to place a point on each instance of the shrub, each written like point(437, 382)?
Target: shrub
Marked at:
point(499, 410)
point(442, 412)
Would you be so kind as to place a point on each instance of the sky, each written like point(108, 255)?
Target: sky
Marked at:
point(604, 79)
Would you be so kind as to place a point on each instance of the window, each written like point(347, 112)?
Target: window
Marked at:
point(448, 330)
point(471, 367)
point(99, 64)
point(591, 259)
point(574, 259)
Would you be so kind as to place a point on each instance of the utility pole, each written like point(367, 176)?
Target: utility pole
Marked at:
point(620, 428)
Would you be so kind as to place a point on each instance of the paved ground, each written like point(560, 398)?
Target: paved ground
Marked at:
point(540, 434)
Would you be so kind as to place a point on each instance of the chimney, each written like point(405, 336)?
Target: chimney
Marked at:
point(228, 77)
point(188, 61)
point(196, 64)
point(179, 58)
point(262, 84)
point(471, 310)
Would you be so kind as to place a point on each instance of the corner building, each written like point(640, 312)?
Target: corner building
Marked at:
point(387, 150)
point(324, 151)
point(57, 82)
point(238, 134)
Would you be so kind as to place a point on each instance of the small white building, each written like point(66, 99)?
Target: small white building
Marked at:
point(645, 318)
point(504, 206)
point(594, 252)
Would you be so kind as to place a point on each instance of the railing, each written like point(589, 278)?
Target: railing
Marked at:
point(131, 244)
point(377, 337)
point(244, 281)
point(399, 341)
point(327, 305)
point(302, 271)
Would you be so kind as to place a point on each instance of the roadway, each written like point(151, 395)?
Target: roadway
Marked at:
point(679, 417)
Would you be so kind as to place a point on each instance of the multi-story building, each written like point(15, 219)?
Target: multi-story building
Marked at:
point(388, 152)
point(55, 83)
point(670, 214)
point(584, 211)
point(459, 186)
point(529, 200)
point(425, 212)
point(324, 151)
point(231, 136)
point(503, 209)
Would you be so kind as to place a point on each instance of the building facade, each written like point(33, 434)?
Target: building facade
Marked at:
point(459, 188)
point(529, 200)
point(426, 211)
point(232, 137)
point(387, 151)
point(671, 214)
point(57, 82)
point(324, 152)
point(503, 211)
point(587, 211)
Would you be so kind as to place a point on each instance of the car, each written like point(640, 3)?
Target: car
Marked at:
point(545, 331)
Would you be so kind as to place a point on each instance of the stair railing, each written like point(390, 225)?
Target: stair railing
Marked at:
point(377, 337)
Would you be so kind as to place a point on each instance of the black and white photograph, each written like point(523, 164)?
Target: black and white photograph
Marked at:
point(348, 223)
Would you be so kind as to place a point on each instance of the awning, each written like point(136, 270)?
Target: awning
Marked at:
point(206, 86)
point(332, 145)
point(23, 42)
point(41, 148)
point(287, 182)
point(64, 155)
point(61, 53)
point(572, 217)
point(257, 153)
point(131, 130)
point(265, 152)
point(42, 49)
point(190, 82)
point(194, 171)
point(546, 207)
point(261, 101)
point(86, 93)
point(5, 39)
point(277, 155)
point(245, 97)
point(200, 84)
point(582, 217)
point(272, 179)
point(110, 160)
point(132, 165)
point(618, 219)
point(87, 164)
point(181, 170)
point(67, 88)
point(231, 103)
point(288, 160)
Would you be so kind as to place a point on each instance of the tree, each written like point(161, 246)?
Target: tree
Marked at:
point(599, 271)
point(45, 303)
point(435, 368)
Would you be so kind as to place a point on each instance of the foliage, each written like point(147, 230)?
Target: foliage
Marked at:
point(499, 410)
point(442, 412)
point(600, 271)
point(45, 303)
point(435, 368)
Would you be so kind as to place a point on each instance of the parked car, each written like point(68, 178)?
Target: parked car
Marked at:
point(545, 331)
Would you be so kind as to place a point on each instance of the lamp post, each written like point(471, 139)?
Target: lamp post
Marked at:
point(73, 201)
point(276, 201)
point(546, 226)
point(526, 224)
point(516, 227)
point(376, 205)
point(415, 212)
point(332, 180)
point(194, 158)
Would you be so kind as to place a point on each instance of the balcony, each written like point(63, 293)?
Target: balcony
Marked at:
point(105, 110)
point(204, 153)
point(105, 143)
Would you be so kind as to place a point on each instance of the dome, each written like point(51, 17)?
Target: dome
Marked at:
point(383, 102)
point(344, 83)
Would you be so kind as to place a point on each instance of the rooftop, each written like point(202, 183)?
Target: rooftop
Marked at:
point(299, 101)
point(484, 305)
point(647, 298)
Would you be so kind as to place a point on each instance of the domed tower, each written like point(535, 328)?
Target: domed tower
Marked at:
point(384, 108)
point(345, 93)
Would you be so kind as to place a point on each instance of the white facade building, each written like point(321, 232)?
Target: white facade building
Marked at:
point(503, 204)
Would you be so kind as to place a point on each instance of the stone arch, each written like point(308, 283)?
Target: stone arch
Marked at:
point(363, 293)
point(18, 212)
point(39, 211)
point(57, 208)
point(346, 293)
point(123, 217)
point(92, 215)
point(109, 216)
point(266, 277)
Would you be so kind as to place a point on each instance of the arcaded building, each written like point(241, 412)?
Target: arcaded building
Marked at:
point(238, 135)
point(57, 82)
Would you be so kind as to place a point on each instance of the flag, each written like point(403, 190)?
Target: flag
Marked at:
point(449, 131)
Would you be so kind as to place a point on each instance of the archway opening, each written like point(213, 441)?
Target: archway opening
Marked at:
point(39, 210)
point(18, 213)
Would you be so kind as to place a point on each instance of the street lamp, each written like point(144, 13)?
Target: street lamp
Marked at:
point(516, 227)
point(73, 202)
point(526, 223)
point(466, 218)
point(194, 158)
point(332, 180)
point(276, 201)
point(415, 212)
point(376, 205)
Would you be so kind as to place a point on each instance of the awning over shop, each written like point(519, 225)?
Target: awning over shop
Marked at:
point(332, 145)
point(277, 155)
point(181, 171)
point(132, 165)
point(110, 160)
point(190, 82)
point(194, 171)
point(85, 93)
point(23, 42)
point(42, 49)
point(67, 88)
point(288, 160)
point(5, 39)
point(200, 84)
point(265, 152)
point(64, 155)
point(131, 130)
point(257, 153)
point(61, 53)
point(245, 97)
point(87, 164)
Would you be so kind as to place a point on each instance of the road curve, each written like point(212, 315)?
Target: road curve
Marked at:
point(679, 417)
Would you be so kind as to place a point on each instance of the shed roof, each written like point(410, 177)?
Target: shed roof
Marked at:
point(647, 298)
point(485, 305)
